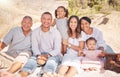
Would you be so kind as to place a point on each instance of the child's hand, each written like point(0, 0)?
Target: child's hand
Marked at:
point(65, 42)
point(101, 48)
point(81, 53)
point(102, 54)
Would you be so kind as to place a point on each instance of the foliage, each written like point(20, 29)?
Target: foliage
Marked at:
point(98, 8)
point(93, 6)
point(73, 8)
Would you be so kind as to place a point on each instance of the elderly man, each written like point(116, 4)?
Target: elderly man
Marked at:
point(19, 41)
point(46, 47)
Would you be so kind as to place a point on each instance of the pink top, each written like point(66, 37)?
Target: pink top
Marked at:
point(92, 55)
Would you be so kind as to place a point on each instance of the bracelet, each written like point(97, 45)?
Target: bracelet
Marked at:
point(69, 45)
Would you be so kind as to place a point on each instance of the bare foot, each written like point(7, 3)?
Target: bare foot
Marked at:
point(86, 69)
point(5, 74)
point(48, 74)
point(56, 75)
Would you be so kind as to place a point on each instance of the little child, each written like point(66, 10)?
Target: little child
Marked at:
point(61, 14)
point(92, 57)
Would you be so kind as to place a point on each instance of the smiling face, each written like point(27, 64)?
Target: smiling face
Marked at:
point(85, 25)
point(46, 20)
point(26, 24)
point(73, 23)
point(60, 12)
point(74, 29)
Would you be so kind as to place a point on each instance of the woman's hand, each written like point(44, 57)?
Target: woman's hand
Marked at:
point(0, 45)
point(81, 53)
point(65, 42)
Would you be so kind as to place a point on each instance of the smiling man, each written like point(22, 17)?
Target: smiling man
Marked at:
point(19, 41)
point(46, 47)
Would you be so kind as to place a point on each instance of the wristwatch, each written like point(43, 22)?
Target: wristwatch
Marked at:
point(69, 45)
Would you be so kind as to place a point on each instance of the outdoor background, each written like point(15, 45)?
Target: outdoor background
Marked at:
point(105, 15)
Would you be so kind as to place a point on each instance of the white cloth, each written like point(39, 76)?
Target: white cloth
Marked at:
point(71, 57)
point(22, 57)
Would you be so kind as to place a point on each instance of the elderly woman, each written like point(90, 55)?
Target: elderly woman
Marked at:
point(89, 31)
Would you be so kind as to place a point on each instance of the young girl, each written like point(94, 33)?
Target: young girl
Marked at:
point(92, 57)
point(61, 14)
point(70, 63)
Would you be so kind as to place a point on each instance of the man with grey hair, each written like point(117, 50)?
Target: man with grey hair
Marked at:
point(46, 47)
point(19, 41)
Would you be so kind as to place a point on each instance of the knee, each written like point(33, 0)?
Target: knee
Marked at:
point(18, 63)
point(24, 74)
point(51, 63)
point(32, 59)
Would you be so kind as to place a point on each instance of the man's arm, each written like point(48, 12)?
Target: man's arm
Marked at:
point(100, 41)
point(35, 47)
point(57, 44)
point(7, 39)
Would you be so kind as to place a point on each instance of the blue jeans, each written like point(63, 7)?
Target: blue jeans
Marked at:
point(50, 66)
point(109, 49)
